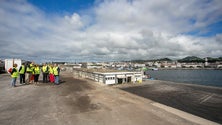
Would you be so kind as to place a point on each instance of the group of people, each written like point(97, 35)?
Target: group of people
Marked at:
point(30, 73)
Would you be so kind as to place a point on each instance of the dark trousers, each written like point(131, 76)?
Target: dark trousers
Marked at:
point(36, 77)
point(22, 78)
point(45, 77)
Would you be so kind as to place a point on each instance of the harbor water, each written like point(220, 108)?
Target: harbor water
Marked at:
point(203, 77)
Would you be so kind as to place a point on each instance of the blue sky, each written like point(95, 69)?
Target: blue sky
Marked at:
point(62, 6)
point(214, 29)
point(108, 30)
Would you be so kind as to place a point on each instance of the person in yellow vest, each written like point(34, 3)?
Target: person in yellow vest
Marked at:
point(56, 71)
point(36, 74)
point(14, 75)
point(28, 73)
point(45, 72)
point(32, 66)
point(22, 73)
point(51, 75)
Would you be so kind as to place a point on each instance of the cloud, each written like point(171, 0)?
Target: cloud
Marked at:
point(110, 30)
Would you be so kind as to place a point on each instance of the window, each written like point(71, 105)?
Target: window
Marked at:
point(109, 78)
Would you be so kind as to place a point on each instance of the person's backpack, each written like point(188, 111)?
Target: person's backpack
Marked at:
point(10, 70)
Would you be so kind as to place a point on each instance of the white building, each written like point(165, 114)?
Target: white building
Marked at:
point(206, 62)
point(90, 65)
point(138, 65)
point(77, 66)
point(219, 66)
point(150, 63)
point(157, 64)
point(110, 77)
point(121, 77)
point(178, 65)
point(73, 65)
point(192, 65)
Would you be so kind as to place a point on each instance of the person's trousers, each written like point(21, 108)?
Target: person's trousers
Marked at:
point(36, 77)
point(13, 82)
point(22, 78)
point(51, 78)
point(56, 80)
point(28, 75)
point(45, 77)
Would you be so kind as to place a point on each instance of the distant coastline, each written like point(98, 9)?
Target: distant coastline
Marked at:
point(189, 69)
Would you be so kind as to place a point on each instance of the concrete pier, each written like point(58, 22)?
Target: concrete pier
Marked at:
point(83, 102)
point(203, 101)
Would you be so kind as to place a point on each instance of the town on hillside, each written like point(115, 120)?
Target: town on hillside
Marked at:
point(190, 62)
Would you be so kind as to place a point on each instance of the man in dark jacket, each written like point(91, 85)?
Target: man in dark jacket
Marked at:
point(22, 71)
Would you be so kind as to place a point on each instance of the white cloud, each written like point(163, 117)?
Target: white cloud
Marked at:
point(112, 30)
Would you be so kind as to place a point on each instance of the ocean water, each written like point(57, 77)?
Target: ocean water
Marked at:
point(203, 77)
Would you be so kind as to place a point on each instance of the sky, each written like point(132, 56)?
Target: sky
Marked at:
point(109, 30)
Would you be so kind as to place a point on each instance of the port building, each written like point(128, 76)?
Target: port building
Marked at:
point(109, 77)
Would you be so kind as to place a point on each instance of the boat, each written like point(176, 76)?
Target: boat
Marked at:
point(155, 69)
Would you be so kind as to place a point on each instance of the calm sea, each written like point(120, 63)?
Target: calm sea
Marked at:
point(204, 77)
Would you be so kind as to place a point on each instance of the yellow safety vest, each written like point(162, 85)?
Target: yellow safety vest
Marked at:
point(44, 69)
point(22, 71)
point(51, 70)
point(29, 69)
point(37, 70)
point(55, 71)
point(15, 74)
point(33, 69)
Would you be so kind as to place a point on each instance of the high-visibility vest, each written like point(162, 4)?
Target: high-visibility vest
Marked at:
point(22, 71)
point(55, 71)
point(37, 70)
point(33, 69)
point(15, 74)
point(29, 69)
point(44, 69)
point(51, 70)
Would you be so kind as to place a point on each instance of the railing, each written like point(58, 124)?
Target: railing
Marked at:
point(90, 75)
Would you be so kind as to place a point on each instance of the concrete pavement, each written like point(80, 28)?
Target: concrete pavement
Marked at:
point(83, 102)
point(203, 101)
